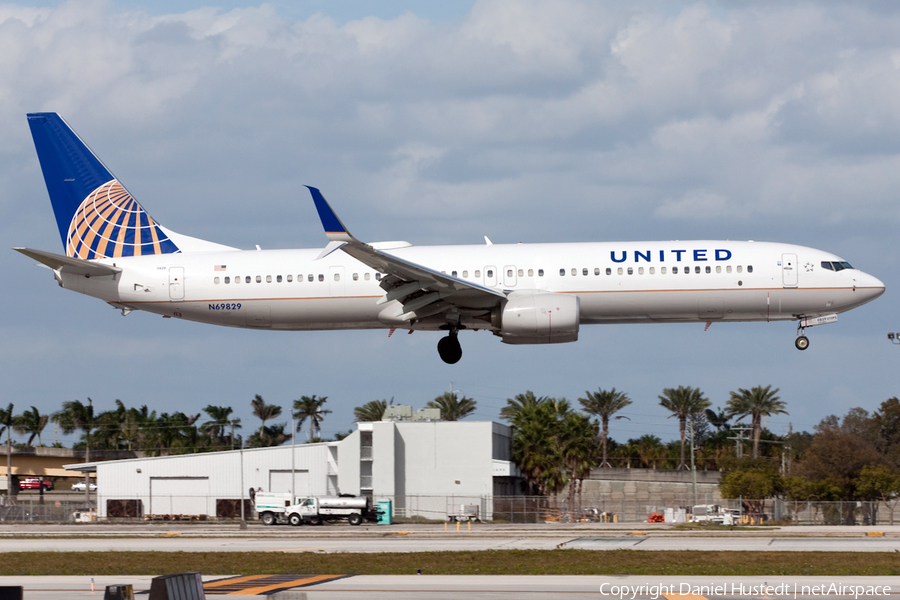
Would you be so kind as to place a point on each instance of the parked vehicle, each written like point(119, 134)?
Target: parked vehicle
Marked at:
point(271, 507)
point(713, 513)
point(315, 510)
point(79, 486)
point(35, 483)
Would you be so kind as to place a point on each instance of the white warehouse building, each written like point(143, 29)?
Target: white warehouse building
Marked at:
point(425, 468)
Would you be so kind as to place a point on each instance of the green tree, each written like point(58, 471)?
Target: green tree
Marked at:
point(371, 411)
point(604, 404)
point(520, 402)
point(756, 403)
point(310, 407)
point(880, 482)
point(453, 408)
point(74, 416)
point(536, 446)
point(265, 412)
point(752, 485)
point(271, 435)
point(219, 422)
point(719, 420)
point(31, 423)
point(837, 456)
point(887, 427)
point(578, 449)
point(683, 402)
point(6, 423)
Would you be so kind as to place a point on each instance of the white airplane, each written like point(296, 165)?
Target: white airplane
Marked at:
point(523, 293)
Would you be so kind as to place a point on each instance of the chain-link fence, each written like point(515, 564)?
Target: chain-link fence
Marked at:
point(582, 508)
point(32, 510)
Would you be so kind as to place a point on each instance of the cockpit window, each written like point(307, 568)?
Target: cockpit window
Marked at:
point(838, 265)
point(827, 265)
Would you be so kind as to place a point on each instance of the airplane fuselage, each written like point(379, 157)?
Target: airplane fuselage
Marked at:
point(630, 282)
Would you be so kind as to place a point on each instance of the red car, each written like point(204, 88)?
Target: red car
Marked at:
point(35, 483)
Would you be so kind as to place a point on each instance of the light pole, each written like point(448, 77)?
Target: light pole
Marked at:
point(243, 516)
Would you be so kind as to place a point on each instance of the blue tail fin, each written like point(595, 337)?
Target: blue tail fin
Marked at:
point(96, 216)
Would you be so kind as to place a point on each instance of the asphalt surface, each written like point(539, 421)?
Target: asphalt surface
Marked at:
point(428, 538)
point(478, 587)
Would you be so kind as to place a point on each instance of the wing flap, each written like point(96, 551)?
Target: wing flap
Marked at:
point(76, 266)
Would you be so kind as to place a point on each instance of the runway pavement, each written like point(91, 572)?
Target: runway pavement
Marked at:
point(432, 539)
point(440, 587)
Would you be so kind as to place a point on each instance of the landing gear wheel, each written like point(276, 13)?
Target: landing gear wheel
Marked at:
point(355, 519)
point(295, 520)
point(802, 342)
point(268, 519)
point(449, 349)
point(315, 520)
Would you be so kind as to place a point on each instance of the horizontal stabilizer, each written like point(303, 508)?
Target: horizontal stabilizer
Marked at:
point(76, 266)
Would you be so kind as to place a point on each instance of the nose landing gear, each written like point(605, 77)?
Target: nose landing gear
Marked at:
point(449, 348)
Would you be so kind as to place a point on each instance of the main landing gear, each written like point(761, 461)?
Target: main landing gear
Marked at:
point(449, 348)
point(802, 342)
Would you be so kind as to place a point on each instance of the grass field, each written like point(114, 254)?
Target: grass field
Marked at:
point(489, 562)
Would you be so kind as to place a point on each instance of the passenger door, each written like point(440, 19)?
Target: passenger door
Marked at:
point(789, 270)
point(176, 283)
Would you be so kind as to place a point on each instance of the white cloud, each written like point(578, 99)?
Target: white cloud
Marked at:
point(524, 120)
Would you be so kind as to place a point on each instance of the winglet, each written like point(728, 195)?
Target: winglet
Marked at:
point(334, 229)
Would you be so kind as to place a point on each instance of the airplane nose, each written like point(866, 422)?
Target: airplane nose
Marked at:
point(872, 287)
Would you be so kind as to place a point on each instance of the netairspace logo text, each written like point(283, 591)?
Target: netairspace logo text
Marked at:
point(795, 590)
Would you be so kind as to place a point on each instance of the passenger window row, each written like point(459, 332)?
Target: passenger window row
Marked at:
point(290, 278)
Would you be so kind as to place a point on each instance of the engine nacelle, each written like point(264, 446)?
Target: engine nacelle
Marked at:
point(540, 319)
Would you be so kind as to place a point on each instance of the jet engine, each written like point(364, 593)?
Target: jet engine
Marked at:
point(539, 319)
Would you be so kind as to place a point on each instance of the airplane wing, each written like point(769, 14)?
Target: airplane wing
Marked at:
point(422, 291)
point(75, 266)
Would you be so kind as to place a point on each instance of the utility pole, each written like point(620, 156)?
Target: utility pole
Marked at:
point(293, 477)
point(243, 516)
point(739, 440)
point(693, 466)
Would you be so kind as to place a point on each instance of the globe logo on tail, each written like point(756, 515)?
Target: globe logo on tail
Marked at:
point(111, 224)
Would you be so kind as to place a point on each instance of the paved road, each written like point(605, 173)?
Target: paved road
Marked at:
point(503, 587)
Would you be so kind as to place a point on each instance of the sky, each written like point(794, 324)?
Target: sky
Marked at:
point(440, 123)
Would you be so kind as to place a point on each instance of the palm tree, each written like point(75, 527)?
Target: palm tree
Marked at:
point(719, 420)
point(517, 404)
point(220, 419)
point(604, 404)
point(265, 412)
point(578, 443)
point(31, 422)
point(682, 403)
point(758, 402)
point(453, 408)
point(310, 407)
point(6, 422)
point(371, 411)
point(273, 435)
point(73, 416)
